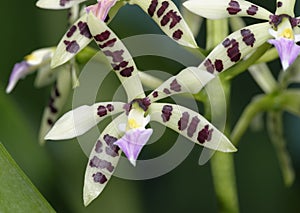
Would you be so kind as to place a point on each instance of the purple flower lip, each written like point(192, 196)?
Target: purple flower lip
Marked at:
point(287, 49)
point(19, 71)
point(133, 141)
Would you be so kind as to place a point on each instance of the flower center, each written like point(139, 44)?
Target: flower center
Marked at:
point(288, 33)
point(132, 124)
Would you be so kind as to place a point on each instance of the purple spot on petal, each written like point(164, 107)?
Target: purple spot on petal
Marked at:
point(204, 134)
point(71, 31)
point(248, 37)
point(72, 46)
point(84, 29)
point(166, 91)
point(162, 9)
point(279, 4)
point(127, 72)
point(102, 36)
point(233, 52)
point(101, 111)
point(234, 8)
point(166, 113)
point(252, 10)
point(98, 147)
point(183, 121)
point(152, 7)
point(155, 94)
point(112, 150)
point(101, 164)
point(110, 107)
point(209, 66)
point(193, 126)
point(99, 178)
point(177, 34)
point(219, 65)
point(175, 86)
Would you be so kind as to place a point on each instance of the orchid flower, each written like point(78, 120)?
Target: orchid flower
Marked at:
point(163, 12)
point(60, 76)
point(128, 132)
point(281, 26)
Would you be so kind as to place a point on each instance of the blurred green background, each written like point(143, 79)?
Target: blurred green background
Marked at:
point(57, 169)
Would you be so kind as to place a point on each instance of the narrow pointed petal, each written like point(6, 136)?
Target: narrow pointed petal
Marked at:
point(118, 56)
point(132, 143)
point(191, 125)
point(169, 19)
point(285, 7)
point(235, 47)
point(102, 161)
point(77, 38)
point(78, 121)
point(59, 95)
point(57, 4)
point(287, 49)
point(37, 59)
point(190, 80)
point(218, 9)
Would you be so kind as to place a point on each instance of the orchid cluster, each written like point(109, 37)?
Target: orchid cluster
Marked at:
point(128, 132)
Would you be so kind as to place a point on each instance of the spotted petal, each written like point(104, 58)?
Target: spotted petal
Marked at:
point(118, 56)
point(57, 4)
point(168, 18)
point(78, 121)
point(77, 38)
point(285, 7)
point(190, 80)
point(218, 9)
point(235, 47)
point(102, 161)
point(191, 125)
point(58, 97)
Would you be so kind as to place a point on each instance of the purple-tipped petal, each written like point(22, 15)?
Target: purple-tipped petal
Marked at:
point(19, 71)
point(287, 49)
point(101, 9)
point(132, 143)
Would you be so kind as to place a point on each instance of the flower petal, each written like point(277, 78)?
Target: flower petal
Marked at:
point(133, 141)
point(77, 37)
point(57, 4)
point(59, 95)
point(285, 7)
point(191, 125)
point(78, 121)
point(218, 9)
point(45, 75)
point(168, 18)
point(287, 49)
point(235, 47)
point(102, 161)
point(118, 56)
point(190, 80)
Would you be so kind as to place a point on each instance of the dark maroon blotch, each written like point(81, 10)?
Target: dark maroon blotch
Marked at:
point(155, 94)
point(166, 113)
point(152, 7)
point(110, 107)
point(175, 86)
point(99, 178)
point(209, 66)
point(109, 43)
point(84, 29)
point(204, 134)
point(170, 15)
point(166, 91)
point(219, 65)
point(112, 150)
point(177, 34)
point(193, 126)
point(116, 55)
point(234, 8)
point(50, 122)
point(101, 111)
point(252, 10)
point(248, 37)
point(102, 36)
point(162, 9)
point(144, 103)
point(71, 31)
point(98, 147)
point(127, 72)
point(72, 46)
point(63, 2)
point(226, 43)
point(233, 52)
point(183, 121)
point(279, 4)
point(101, 164)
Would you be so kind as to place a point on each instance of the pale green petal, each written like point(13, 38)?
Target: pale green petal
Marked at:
point(118, 56)
point(190, 80)
point(102, 161)
point(168, 18)
point(78, 121)
point(57, 4)
point(45, 75)
point(191, 125)
point(285, 7)
point(58, 97)
point(218, 9)
point(77, 38)
point(235, 47)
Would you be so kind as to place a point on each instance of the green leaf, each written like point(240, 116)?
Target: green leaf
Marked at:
point(17, 193)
